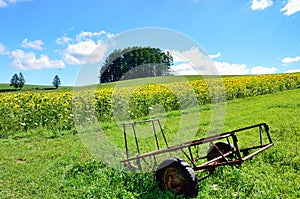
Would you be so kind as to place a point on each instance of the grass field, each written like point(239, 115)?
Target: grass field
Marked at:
point(45, 163)
point(58, 110)
point(28, 87)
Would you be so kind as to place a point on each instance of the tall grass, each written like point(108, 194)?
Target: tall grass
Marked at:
point(44, 163)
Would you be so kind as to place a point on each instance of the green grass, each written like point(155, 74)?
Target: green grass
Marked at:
point(28, 87)
point(55, 164)
point(159, 79)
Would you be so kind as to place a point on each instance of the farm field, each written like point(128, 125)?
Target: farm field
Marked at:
point(28, 87)
point(55, 110)
point(43, 156)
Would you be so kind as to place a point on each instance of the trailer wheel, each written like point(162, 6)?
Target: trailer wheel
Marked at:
point(224, 147)
point(177, 176)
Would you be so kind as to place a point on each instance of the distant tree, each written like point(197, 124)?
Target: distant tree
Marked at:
point(17, 81)
point(135, 62)
point(56, 81)
point(21, 81)
point(14, 82)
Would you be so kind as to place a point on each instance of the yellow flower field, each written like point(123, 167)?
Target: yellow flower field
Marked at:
point(29, 110)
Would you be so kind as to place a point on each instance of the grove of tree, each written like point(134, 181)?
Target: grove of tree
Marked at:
point(135, 62)
point(17, 81)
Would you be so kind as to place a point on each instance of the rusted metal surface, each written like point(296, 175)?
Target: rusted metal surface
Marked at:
point(189, 149)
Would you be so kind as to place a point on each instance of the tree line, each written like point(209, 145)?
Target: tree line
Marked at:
point(135, 62)
point(18, 81)
point(129, 63)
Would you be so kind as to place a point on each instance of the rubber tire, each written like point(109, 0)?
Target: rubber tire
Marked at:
point(223, 147)
point(188, 182)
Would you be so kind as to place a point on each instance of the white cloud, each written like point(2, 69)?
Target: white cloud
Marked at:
point(291, 7)
point(188, 62)
point(289, 60)
point(192, 62)
point(226, 68)
point(37, 44)
point(183, 69)
point(83, 36)
point(293, 71)
point(176, 59)
point(110, 35)
point(28, 61)
point(17, 1)
point(3, 50)
point(63, 40)
point(223, 68)
point(86, 48)
point(84, 52)
point(5, 3)
point(263, 70)
point(215, 56)
point(261, 4)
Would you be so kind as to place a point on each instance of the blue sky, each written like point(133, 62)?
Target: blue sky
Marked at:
point(43, 38)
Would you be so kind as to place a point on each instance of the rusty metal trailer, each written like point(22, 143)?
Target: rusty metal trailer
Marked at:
point(178, 174)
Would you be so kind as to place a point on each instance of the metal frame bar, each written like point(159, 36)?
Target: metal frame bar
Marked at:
point(207, 166)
